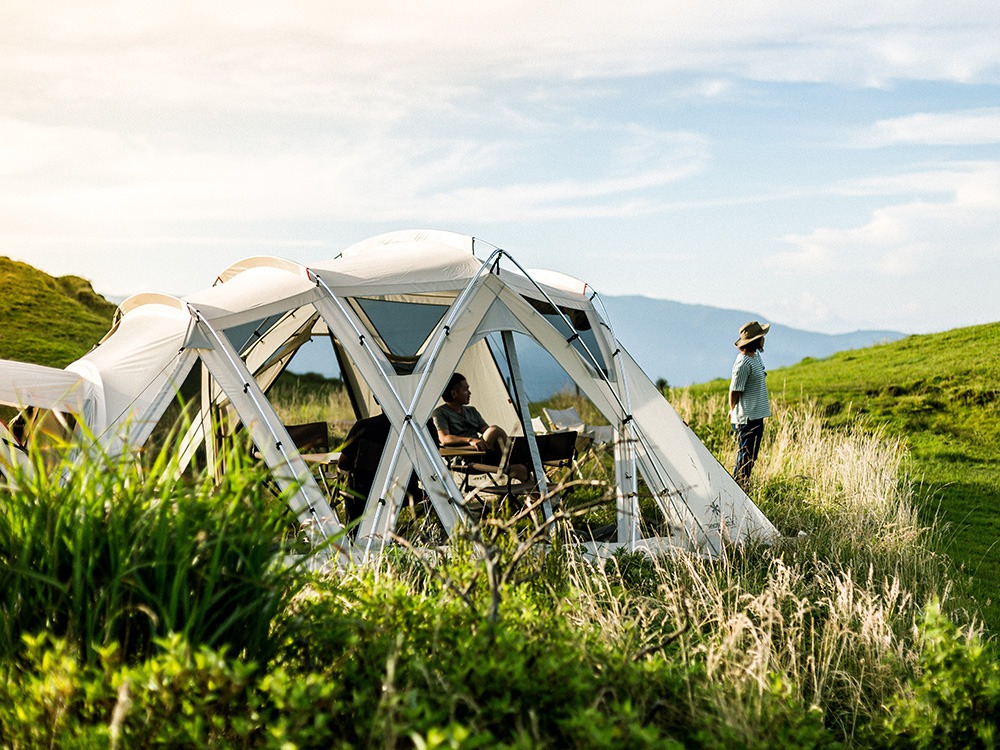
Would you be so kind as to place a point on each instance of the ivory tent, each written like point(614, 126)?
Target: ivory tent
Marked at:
point(400, 313)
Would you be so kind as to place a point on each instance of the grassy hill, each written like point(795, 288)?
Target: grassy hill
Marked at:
point(46, 320)
point(940, 393)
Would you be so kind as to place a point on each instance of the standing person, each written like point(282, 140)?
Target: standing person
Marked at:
point(749, 404)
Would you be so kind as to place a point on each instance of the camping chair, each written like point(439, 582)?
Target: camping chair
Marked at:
point(356, 481)
point(557, 450)
point(591, 440)
point(503, 485)
point(569, 419)
point(312, 440)
point(359, 465)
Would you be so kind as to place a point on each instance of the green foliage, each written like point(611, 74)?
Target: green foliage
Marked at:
point(140, 610)
point(101, 553)
point(46, 320)
point(179, 697)
point(955, 701)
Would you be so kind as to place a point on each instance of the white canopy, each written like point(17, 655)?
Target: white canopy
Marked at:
point(24, 384)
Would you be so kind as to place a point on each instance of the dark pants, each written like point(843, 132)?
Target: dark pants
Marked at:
point(748, 437)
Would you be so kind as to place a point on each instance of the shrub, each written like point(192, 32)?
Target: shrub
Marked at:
point(955, 701)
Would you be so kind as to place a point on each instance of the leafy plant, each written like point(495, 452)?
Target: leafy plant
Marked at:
point(955, 700)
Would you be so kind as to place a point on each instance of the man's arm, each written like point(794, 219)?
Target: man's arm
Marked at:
point(734, 398)
point(456, 441)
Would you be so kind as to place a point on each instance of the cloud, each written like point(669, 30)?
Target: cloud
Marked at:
point(905, 239)
point(908, 258)
point(380, 56)
point(966, 127)
point(96, 181)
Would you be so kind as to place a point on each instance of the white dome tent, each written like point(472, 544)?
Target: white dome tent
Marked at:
point(404, 311)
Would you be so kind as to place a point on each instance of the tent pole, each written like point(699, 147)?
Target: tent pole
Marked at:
point(517, 380)
point(269, 418)
point(429, 451)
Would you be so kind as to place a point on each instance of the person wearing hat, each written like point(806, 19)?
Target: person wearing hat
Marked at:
point(749, 404)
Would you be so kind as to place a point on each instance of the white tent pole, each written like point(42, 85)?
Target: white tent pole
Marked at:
point(529, 434)
point(272, 424)
point(444, 329)
point(625, 405)
point(396, 405)
point(597, 389)
point(575, 337)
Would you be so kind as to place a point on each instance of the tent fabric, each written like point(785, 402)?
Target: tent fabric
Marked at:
point(25, 384)
point(245, 329)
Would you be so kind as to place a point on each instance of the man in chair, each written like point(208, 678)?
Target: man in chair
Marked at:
point(461, 425)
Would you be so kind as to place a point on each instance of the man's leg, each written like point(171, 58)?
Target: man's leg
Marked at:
point(748, 439)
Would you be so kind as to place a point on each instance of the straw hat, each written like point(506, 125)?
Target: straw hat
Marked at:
point(752, 331)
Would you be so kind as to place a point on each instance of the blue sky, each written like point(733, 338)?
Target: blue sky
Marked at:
point(831, 166)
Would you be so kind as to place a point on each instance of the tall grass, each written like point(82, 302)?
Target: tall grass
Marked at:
point(107, 551)
point(501, 640)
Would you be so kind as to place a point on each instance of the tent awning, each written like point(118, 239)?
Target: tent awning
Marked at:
point(25, 384)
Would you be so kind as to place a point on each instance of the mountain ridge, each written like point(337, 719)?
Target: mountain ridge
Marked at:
point(703, 338)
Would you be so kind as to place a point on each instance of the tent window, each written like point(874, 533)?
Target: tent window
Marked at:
point(580, 326)
point(402, 327)
point(242, 337)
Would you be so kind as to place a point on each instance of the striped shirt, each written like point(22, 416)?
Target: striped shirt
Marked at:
point(750, 378)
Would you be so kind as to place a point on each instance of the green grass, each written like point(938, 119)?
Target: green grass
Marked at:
point(940, 394)
point(107, 552)
point(49, 321)
point(139, 609)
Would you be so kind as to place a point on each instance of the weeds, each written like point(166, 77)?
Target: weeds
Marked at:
point(100, 552)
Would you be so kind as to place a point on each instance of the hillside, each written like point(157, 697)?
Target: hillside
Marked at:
point(940, 393)
point(46, 320)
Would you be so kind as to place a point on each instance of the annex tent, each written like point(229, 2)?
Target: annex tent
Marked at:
point(24, 385)
point(400, 313)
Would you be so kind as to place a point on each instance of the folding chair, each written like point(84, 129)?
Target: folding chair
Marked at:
point(517, 453)
point(564, 419)
point(312, 440)
point(557, 450)
point(591, 439)
point(360, 459)
point(311, 437)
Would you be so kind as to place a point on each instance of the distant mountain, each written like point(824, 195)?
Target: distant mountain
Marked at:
point(693, 343)
point(47, 320)
point(686, 344)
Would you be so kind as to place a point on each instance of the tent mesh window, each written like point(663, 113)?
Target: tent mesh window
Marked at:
point(401, 328)
point(582, 332)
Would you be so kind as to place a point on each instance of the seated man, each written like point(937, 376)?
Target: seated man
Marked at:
point(461, 425)
point(360, 458)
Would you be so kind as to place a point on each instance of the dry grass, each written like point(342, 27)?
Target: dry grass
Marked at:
point(830, 617)
point(826, 620)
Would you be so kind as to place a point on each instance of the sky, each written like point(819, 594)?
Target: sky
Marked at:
point(832, 166)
